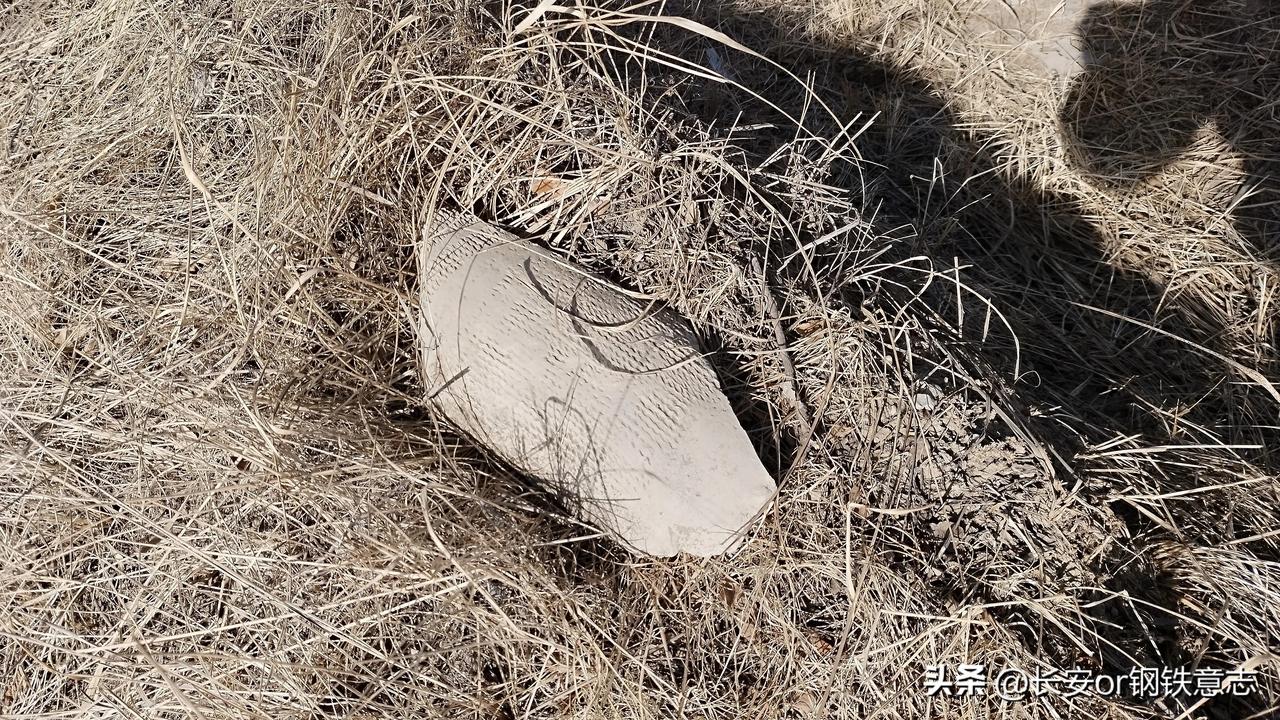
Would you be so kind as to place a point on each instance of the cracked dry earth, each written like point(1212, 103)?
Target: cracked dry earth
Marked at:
point(992, 508)
point(987, 520)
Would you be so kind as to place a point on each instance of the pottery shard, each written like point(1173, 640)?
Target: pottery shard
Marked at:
point(602, 397)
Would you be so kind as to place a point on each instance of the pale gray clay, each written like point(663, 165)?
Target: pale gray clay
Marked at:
point(602, 397)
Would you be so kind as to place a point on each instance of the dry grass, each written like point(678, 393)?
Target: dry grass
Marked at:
point(1043, 430)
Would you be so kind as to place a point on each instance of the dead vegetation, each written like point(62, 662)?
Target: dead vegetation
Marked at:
point(1043, 431)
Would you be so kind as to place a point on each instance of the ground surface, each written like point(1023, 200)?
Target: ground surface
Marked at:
point(1031, 315)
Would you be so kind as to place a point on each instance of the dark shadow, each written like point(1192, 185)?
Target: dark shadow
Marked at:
point(774, 446)
point(1089, 364)
point(1078, 317)
point(1159, 71)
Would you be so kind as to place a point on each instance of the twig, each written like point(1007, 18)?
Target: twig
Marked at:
point(792, 388)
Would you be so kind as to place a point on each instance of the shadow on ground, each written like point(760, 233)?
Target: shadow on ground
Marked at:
point(1160, 71)
point(1093, 368)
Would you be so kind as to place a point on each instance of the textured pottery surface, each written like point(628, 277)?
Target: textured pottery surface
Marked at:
point(604, 398)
